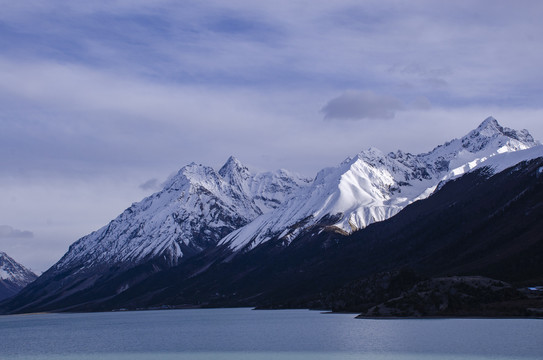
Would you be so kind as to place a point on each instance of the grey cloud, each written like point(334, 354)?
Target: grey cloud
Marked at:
point(421, 103)
point(7, 231)
point(422, 70)
point(152, 184)
point(357, 105)
point(436, 82)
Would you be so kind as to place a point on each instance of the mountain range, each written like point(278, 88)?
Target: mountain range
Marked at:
point(373, 186)
point(234, 238)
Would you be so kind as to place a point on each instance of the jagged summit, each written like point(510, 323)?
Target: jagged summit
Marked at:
point(13, 271)
point(370, 154)
point(13, 276)
point(236, 174)
point(489, 122)
point(490, 128)
point(233, 165)
point(195, 209)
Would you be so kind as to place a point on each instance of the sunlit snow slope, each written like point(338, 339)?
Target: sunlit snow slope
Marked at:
point(373, 186)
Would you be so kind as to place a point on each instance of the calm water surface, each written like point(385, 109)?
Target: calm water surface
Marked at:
point(248, 334)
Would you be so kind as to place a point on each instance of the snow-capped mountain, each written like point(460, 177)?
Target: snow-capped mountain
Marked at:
point(199, 207)
point(195, 209)
point(13, 276)
point(217, 215)
point(373, 186)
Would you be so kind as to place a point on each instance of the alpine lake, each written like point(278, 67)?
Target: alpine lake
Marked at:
point(243, 333)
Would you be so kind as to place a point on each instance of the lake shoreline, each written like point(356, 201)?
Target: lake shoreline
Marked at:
point(356, 315)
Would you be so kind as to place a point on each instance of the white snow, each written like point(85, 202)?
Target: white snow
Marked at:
point(501, 161)
point(4, 275)
point(14, 272)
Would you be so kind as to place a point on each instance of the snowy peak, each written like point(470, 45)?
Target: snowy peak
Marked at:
point(12, 271)
point(179, 180)
point(419, 173)
point(232, 168)
point(487, 140)
point(490, 132)
point(191, 174)
point(370, 154)
point(490, 127)
point(234, 173)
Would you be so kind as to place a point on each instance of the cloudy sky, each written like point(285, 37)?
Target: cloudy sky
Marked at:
point(100, 101)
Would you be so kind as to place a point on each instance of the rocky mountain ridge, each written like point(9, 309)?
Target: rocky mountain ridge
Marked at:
point(373, 186)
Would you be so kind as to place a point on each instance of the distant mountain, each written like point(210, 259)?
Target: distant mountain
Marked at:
point(13, 276)
point(231, 237)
